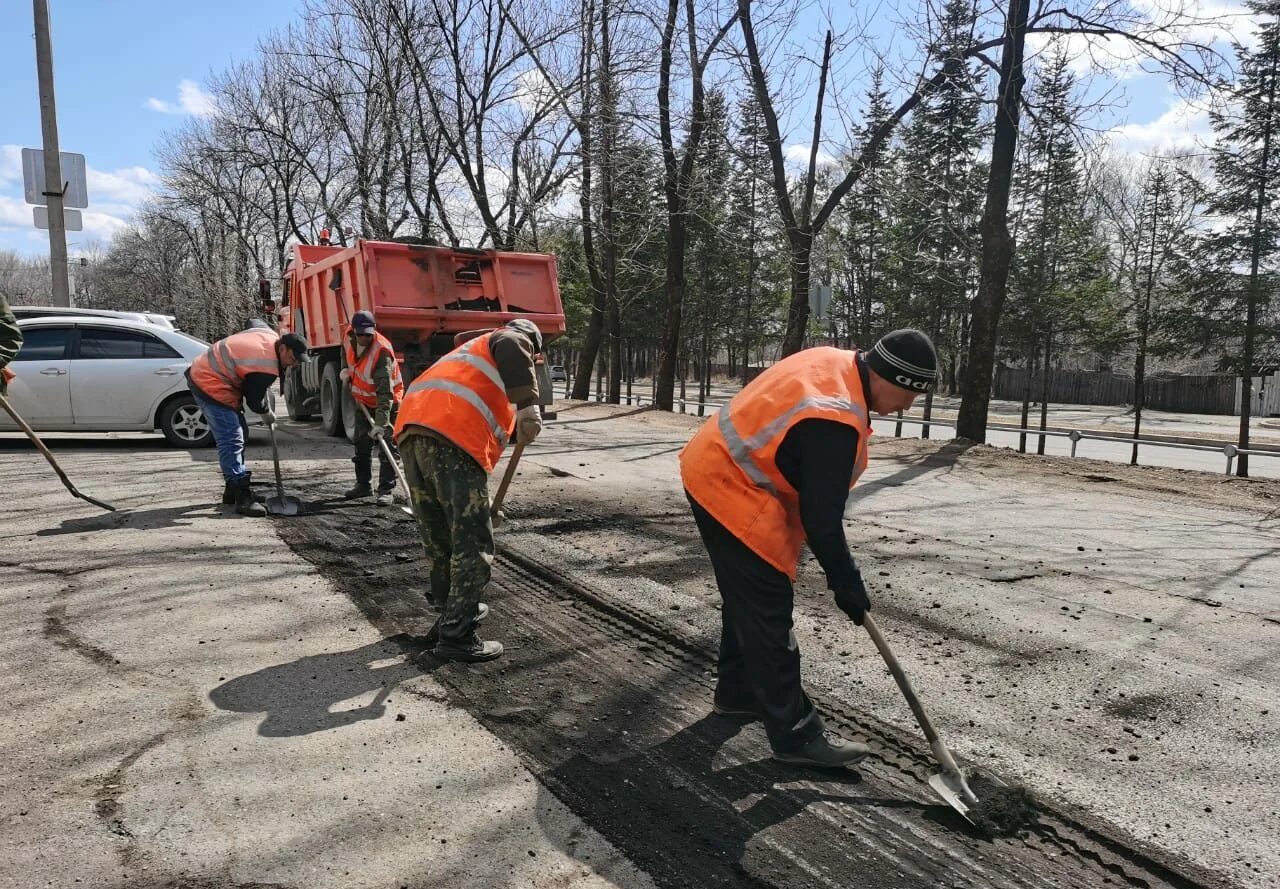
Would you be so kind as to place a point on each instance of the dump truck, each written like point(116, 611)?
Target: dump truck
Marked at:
point(422, 296)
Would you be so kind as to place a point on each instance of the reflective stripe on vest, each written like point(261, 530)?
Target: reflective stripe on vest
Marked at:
point(363, 388)
point(729, 467)
point(462, 398)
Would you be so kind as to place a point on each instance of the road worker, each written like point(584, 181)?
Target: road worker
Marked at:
point(773, 469)
point(10, 343)
point(454, 422)
point(235, 372)
point(376, 385)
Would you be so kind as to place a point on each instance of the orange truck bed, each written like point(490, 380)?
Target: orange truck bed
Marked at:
point(416, 292)
point(421, 297)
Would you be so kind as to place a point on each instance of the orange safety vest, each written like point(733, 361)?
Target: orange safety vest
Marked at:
point(363, 389)
point(462, 398)
point(220, 372)
point(729, 466)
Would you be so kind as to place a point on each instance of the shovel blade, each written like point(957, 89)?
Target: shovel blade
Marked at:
point(285, 506)
point(954, 790)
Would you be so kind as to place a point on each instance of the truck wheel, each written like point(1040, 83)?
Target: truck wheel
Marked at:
point(331, 401)
point(294, 396)
point(349, 412)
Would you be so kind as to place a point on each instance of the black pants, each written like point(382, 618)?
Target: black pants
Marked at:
point(759, 658)
point(363, 459)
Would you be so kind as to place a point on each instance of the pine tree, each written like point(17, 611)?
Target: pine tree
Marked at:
point(1058, 280)
point(1246, 161)
point(865, 240)
point(943, 193)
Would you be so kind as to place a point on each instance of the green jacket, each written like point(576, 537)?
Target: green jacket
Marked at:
point(10, 339)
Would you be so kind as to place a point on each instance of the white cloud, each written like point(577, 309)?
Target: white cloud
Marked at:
point(14, 213)
point(10, 163)
point(1185, 124)
point(798, 157)
point(114, 196)
point(191, 100)
point(130, 185)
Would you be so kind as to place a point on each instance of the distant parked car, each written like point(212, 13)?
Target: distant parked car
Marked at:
point(165, 321)
point(100, 374)
point(558, 374)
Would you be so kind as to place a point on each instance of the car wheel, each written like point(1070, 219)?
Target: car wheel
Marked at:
point(184, 424)
point(331, 401)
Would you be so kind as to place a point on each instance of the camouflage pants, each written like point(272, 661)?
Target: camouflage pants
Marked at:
point(451, 503)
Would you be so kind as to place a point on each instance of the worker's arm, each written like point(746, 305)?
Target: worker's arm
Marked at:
point(817, 459)
point(513, 353)
point(10, 339)
point(386, 394)
point(255, 389)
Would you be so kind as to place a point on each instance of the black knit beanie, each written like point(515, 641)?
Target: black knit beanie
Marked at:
point(905, 358)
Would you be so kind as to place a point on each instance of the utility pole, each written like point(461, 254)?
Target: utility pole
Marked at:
point(52, 170)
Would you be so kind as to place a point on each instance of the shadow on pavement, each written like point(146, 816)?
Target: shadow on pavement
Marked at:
point(676, 798)
point(298, 698)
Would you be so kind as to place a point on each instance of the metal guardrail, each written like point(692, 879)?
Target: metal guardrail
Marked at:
point(1230, 451)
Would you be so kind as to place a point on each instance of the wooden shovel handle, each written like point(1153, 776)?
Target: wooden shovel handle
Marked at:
point(506, 479)
point(940, 751)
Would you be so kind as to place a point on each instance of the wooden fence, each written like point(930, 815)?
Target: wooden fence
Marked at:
point(1214, 394)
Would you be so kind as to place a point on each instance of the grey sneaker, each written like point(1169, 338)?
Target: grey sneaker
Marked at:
point(433, 634)
point(386, 498)
point(472, 650)
point(825, 752)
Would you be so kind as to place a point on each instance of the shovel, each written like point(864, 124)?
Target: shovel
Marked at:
point(386, 449)
point(35, 440)
point(950, 783)
point(281, 504)
point(506, 483)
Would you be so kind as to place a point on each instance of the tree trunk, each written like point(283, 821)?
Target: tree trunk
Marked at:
point(673, 289)
point(1026, 399)
point(801, 254)
point(1139, 389)
point(1044, 389)
point(1251, 313)
point(997, 243)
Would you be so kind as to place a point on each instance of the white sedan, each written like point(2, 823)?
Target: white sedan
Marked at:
point(86, 374)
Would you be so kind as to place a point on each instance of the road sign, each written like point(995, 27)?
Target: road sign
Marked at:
point(71, 219)
point(73, 178)
point(819, 300)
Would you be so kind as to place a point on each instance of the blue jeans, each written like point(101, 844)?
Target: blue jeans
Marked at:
point(229, 435)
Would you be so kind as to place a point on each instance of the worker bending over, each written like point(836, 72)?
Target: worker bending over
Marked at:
point(770, 471)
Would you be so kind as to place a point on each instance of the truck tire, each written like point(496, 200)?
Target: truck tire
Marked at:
point(349, 412)
point(294, 395)
point(331, 401)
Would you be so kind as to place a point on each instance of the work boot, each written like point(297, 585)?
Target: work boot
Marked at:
point(825, 752)
point(470, 649)
point(433, 635)
point(245, 502)
point(229, 492)
point(361, 489)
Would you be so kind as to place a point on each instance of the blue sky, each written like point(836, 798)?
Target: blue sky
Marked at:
point(110, 59)
point(128, 71)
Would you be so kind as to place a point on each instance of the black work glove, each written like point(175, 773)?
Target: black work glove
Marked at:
point(853, 599)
